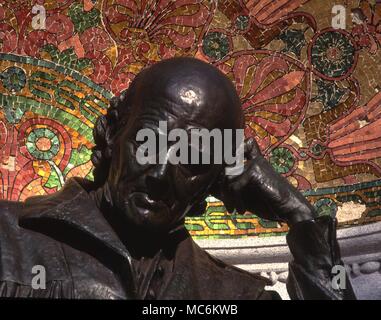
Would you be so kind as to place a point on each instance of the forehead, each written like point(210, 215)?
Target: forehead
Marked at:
point(184, 108)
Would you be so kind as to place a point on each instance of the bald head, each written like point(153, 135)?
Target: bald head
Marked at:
point(187, 88)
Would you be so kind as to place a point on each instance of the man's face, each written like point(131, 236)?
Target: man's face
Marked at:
point(157, 196)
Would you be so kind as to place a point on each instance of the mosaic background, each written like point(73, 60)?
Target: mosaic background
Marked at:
point(310, 92)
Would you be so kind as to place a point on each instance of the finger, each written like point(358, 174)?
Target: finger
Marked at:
point(251, 149)
point(244, 178)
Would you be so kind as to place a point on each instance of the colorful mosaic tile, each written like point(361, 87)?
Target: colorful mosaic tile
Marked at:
point(310, 92)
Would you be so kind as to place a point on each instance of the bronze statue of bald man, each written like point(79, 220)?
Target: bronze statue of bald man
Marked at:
point(123, 236)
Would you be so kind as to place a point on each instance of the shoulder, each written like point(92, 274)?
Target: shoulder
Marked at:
point(22, 249)
point(11, 234)
point(9, 213)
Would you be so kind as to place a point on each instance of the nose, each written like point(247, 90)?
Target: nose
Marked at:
point(157, 182)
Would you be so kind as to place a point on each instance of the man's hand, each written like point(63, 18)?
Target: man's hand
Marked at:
point(260, 189)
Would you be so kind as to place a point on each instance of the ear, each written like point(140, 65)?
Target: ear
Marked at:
point(120, 107)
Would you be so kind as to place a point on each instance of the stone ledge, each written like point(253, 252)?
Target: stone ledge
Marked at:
point(360, 248)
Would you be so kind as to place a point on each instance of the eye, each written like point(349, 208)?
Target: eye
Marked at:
point(197, 168)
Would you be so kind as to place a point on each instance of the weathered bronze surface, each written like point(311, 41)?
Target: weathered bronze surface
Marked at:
point(123, 237)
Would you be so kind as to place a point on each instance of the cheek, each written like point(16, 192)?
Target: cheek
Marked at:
point(124, 166)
